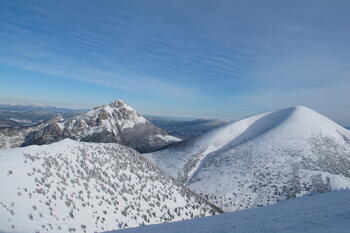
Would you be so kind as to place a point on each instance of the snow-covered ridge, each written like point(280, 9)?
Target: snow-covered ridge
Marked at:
point(72, 186)
point(262, 159)
point(322, 213)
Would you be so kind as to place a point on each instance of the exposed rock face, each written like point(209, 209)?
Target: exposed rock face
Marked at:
point(116, 122)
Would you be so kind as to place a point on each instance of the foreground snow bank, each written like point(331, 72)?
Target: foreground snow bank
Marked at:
point(322, 213)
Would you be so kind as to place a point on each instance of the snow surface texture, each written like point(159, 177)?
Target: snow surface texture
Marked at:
point(72, 186)
point(322, 213)
point(116, 122)
point(262, 159)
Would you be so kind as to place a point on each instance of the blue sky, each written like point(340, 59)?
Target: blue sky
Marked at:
point(199, 58)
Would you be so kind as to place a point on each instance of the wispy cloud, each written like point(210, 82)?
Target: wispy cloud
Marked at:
point(320, 81)
point(260, 53)
point(90, 61)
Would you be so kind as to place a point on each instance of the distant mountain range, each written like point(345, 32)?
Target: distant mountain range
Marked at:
point(262, 159)
point(187, 129)
point(169, 118)
point(36, 107)
point(72, 186)
point(28, 115)
point(184, 128)
point(116, 122)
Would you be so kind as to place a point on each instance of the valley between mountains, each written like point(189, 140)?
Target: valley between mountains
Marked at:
point(110, 168)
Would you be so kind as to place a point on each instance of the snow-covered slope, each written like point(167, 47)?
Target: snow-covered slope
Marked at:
point(322, 213)
point(262, 159)
point(72, 186)
point(116, 122)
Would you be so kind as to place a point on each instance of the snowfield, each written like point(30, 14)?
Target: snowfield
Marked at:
point(262, 159)
point(72, 186)
point(321, 213)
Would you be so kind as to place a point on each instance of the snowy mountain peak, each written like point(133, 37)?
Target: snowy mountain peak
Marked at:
point(263, 158)
point(116, 122)
point(296, 123)
point(299, 114)
point(118, 103)
point(302, 112)
point(302, 108)
point(115, 115)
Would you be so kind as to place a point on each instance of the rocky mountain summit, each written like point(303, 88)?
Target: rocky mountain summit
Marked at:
point(116, 122)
